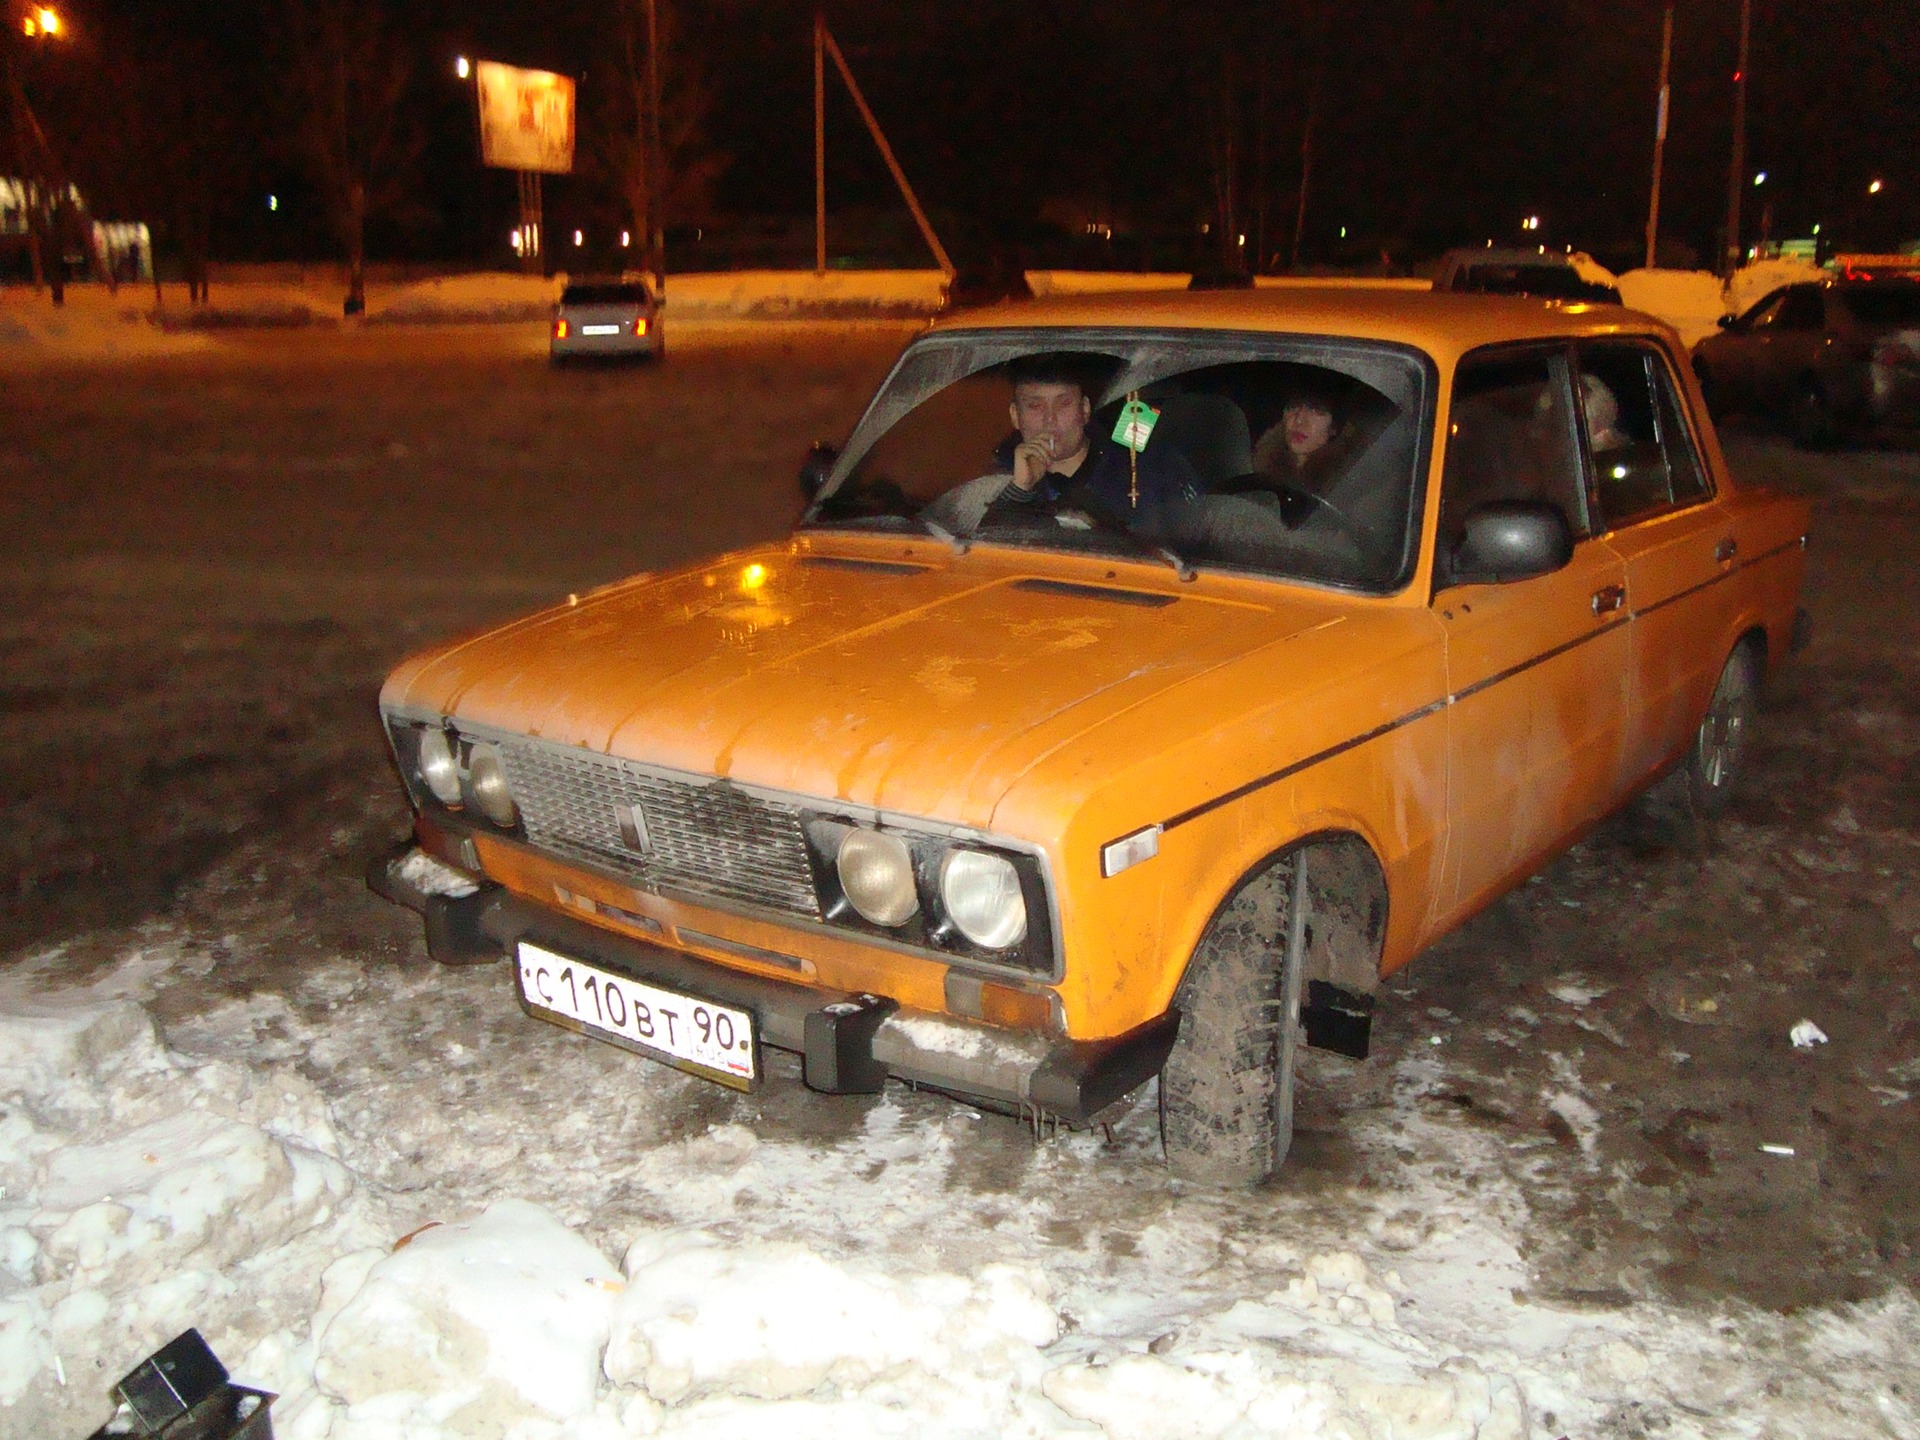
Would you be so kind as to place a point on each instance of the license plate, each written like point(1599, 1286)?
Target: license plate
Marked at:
point(599, 329)
point(715, 1041)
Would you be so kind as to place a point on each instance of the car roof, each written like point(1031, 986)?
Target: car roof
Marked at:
point(1444, 324)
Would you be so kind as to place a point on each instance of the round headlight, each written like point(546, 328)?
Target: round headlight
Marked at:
point(982, 896)
point(876, 875)
point(488, 777)
point(438, 768)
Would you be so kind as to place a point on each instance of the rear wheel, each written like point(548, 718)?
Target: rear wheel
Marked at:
point(1219, 1119)
point(1682, 806)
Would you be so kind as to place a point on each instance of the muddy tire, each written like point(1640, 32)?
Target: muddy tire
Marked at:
point(1217, 1090)
point(1681, 807)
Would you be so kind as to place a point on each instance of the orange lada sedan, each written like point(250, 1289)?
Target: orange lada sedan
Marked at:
point(1146, 678)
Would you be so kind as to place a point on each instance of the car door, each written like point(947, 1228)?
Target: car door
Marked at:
point(1731, 358)
point(1654, 506)
point(1536, 668)
point(1790, 346)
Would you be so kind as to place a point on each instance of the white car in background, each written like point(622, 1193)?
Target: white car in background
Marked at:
point(607, 318)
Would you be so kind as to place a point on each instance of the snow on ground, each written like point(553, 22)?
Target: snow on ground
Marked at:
point(578, 1271)
point(92, 325)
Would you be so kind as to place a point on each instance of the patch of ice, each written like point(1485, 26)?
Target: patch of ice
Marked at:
point(432, 877)
point(1576, 991)
point(1805, 1035)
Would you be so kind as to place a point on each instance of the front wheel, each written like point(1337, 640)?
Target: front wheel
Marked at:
point(1226, 1109)
point(1810, 418)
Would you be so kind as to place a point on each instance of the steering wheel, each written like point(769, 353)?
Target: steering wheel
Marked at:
point(1298, 505)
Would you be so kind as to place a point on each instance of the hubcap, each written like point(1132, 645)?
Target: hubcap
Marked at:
point(1723, 733)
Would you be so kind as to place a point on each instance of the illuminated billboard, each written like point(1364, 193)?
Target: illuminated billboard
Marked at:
point(526, 118)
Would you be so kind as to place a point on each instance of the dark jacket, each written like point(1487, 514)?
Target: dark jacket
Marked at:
point(1104, 481)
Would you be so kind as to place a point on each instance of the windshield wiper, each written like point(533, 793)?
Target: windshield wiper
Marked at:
point(1107, 525)
point(940, 532)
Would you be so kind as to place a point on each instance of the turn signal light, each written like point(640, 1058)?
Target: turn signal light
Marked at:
point(972, 998)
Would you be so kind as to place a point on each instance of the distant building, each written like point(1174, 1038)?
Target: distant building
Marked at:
point(122, 249)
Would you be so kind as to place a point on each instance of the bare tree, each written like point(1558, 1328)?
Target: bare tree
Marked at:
point(656, 157)
point(346, 75)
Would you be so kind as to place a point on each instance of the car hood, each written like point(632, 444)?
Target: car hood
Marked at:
point(917, 689)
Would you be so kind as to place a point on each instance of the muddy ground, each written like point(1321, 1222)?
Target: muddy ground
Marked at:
point(212, 561)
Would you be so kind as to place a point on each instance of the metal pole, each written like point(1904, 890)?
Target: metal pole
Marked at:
point(656, 159)
point(1306, 173)
point(886, 152)
point(819, 144)
point(1739, 162)
point(1292, 970)
point(1659, 139)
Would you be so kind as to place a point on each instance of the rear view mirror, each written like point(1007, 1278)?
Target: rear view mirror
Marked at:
point(816, 467)
point(1510, 540)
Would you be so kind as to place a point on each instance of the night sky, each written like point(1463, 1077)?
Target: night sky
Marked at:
point(1438, 122)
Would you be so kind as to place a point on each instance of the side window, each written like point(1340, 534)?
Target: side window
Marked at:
point(1643, 455)
point(1765, 313)
point(1803, 309)
point(1510, 436)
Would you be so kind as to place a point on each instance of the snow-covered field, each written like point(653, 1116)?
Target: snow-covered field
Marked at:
point(235, 1094)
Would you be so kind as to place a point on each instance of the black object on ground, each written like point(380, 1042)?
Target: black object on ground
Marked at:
point(181, 1392)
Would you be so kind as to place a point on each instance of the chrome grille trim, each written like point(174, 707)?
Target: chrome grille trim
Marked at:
point(701, 835)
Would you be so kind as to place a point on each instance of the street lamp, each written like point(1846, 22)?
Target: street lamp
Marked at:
point(1875, 188)
point(462, 67)
point(1759, 179)
point(43, 21)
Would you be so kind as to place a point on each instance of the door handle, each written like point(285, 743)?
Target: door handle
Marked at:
point(1726, 550)
point(1609, 597)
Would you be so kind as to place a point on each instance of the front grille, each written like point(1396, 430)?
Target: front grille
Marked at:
point(706, 836)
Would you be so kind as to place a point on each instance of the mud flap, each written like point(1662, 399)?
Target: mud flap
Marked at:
point(1337, 1020)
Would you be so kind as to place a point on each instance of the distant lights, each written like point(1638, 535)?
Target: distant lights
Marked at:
point(1532, 222)
point(1816, 229)
point(578, 239)
point(463, 67)
point(1761, 178)
point(626, 239)
point(1875, 188)
point(1343, 232)
point(273, 202)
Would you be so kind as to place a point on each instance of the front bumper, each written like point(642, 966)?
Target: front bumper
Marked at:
point(847, 1043)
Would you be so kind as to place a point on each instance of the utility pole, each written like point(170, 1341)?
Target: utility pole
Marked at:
point(656, 160)
point(819, 143)
point(1659, 139)
point(1731, 260)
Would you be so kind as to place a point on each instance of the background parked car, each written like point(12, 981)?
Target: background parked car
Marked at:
point(1538, 273)
point(1828, 359)
point(606, 318)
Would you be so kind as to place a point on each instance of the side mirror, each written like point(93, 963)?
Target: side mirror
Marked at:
point(1725, 322)
point(816, 467)
point(1510, 540)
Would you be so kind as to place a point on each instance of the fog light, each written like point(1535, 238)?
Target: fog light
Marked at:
point(982, 895)
point(438, 768)
point(488, 777)
point(876, 875)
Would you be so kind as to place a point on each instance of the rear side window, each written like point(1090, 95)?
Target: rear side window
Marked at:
point(1510, 436)
point(1644, 457)
point(622, 294)
point(1804, 310)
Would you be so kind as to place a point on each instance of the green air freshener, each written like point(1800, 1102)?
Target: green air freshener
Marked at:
point(1135, 425)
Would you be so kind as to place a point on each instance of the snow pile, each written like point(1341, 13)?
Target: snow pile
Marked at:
point(1590, 269)
point(810, 1288)
point(783, 294)
point(456, 299)
point(1753, 282)
point(92, 325)
point(1691, 301)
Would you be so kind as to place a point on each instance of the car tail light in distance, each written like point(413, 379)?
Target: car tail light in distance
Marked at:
point(559, 329)
point(640, 325)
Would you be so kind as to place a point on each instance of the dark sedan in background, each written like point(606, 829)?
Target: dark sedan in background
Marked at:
point(1829, 359)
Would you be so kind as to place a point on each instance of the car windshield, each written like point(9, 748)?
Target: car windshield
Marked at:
point(622, 293)
point(1547, 282)
point(1299, 457)
point(1894, 304)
